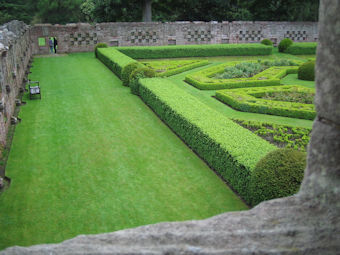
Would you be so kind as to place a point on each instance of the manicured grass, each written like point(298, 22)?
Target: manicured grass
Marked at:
point(91, 158)
point(292, 79)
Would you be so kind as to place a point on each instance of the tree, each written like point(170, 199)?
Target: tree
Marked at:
point(147, 10)
point(16, 9)
point(59, 11)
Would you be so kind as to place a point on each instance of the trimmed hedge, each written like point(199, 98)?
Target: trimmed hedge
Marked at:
point(270, 77)
point(210, 50)
point(307, 71)
point(246, 100)
point(127, 70)
point(175, 67)
point(278, 174)
point(99, 45)
point(302, 48)
point(114, 60)
point(228, 148)
point(284, 44)
point(139, 73)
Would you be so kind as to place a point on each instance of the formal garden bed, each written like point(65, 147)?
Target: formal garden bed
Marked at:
point(251, 86)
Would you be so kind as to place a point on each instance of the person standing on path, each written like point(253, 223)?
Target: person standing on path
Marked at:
point(50, 43)
point(55, 44)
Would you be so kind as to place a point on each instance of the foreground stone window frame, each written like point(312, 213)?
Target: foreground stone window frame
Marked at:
point(307, 223)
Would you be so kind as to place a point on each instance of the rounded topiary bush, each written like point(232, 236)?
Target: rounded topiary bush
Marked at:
point(284, 44)
point(307, 71)
point(99, 45)
point(267, 42)
point(127, 70)
point(278, 174)
point(142, 72)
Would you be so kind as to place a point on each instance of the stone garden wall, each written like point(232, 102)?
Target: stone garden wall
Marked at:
point(15, 53)
point(83, 37)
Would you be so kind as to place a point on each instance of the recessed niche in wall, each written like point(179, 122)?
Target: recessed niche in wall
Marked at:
point(114, 43)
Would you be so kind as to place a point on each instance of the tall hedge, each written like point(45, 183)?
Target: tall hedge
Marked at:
point(302, 48)
point(228, 148)
point(176, 51)
point(114, 59)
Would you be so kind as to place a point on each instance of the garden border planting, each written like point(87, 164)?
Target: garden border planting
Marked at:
point(245, 99)
point(270, 77)
point(210, 134)
point(209, 50)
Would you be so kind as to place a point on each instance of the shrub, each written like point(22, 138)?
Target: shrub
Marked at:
point(228, 148)
point(280, 135)
point(99, 45)
point(302, 48)
point(142, 72)
point(278, 174)
point(114, 59)
point(284, 44)
point(127, 70)
point(307, 71)
point(267, 42)
point(210, 50)
point(241, 70)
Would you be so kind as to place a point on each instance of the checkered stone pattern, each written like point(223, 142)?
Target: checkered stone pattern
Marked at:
point(143, 37)
point(296, 35)
point(250, 36)
point(199, 36)
point(83, 39)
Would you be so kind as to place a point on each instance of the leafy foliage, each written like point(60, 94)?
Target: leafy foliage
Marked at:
point(267, 42)
point(280, 135)
point(139, 73)
point(17, 10)
point(249, 100)
point(241, 70)
point(228, 148)
point(284, 44)
point(307, 71)
point(291, 96)
point(278, 174)
point(127, 70)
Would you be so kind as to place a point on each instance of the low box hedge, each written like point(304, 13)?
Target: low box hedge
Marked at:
point(210, 50)
point(228, 148)
point(270, 77)
point(114, 59)
point(302, 48)
point(246, 100)
point(173, 67)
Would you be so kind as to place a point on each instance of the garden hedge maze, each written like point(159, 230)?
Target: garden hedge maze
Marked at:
point(231, 147)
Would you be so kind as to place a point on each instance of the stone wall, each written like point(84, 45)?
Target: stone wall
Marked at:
point(15, 53)
point(83, 37)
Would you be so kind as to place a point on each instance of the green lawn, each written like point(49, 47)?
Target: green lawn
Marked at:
point(90, 157)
